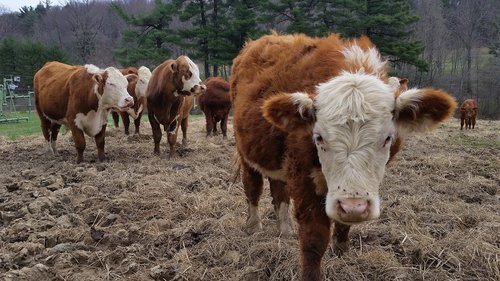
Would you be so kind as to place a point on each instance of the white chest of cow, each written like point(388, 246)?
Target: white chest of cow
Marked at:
point(92, 122)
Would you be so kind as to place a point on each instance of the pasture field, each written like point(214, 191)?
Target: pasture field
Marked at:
point(182, 219)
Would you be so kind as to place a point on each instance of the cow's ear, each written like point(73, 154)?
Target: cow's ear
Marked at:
point(289, 112)
point(419, 110)
point(175, 66)
point(131, 77)
point(97, 77)
point(403, 84)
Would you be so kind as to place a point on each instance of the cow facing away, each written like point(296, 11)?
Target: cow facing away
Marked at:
point(468, 114)
point(169, 97)
point(81, 98)
point(215, 104)
point(317, 117)
point(137, 89)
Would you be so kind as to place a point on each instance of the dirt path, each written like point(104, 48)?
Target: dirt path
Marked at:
point(182, 219)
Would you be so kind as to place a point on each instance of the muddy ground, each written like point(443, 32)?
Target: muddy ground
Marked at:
point(182, 219)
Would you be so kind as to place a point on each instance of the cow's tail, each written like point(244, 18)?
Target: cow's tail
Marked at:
point(236, 167)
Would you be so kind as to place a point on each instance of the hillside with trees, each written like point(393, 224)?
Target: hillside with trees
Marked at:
point(450, 44)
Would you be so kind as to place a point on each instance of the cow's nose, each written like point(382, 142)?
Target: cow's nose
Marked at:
point(353, 209)
point(203, 87)
point(129, 101)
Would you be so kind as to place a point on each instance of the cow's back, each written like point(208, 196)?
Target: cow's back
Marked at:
point(469, 103)
point(216, 96)
point(52, 90)
point(274, 64)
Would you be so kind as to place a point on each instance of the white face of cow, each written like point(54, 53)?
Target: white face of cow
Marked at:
point(353, 119)
point(115, 94)
point(142, 82)
point(353, 134)
point(191, 81)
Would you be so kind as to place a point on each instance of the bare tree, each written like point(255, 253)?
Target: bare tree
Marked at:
point(470, 21)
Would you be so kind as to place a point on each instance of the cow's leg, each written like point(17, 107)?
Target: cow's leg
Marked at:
point(116, 118)
point(45, 124)
point(155, 127)
point(54, 131)
point(137, 123)
point(340, 238)
point(252, 183)
point(314, 235)
point(184, 127)
point(209, 122)
point(214, 122)
point(223, 126)
point(172, 137)
point(79, 140)
point(473, 122)
point(462, 123)
point(126, 122)
point(99, 141)
point(281, 202)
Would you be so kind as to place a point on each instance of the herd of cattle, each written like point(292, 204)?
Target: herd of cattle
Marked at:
point(318, 117)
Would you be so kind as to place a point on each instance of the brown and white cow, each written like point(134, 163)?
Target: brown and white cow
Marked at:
point(317, 117)
point(215, 104)
point(137, 89)
point(468, 114)
point(168, 98)
point(79, 97)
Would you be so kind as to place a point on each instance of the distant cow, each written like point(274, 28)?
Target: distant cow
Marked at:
point(137, 89)
point(468, 114)
point(215, 104)
point(168, 97)
point(79, 97)
point(317, 117)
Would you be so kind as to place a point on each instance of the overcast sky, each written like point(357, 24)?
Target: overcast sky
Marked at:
point(14, 5)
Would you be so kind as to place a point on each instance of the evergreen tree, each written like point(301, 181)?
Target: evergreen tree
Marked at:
point(149, 38)
point(24, 58)
point(386, 22)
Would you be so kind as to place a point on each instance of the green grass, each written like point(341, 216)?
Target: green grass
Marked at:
point(25, 128)
point(14, 130)
point(477, 141)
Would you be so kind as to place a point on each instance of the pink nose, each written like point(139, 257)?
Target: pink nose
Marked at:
point(353, 209)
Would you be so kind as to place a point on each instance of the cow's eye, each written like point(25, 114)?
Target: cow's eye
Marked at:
point(111, 84)
point(318, 139)
point(189, 74)
point(388, 140)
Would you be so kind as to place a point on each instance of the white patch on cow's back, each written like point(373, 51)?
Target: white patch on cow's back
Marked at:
point(359, 58)
point(92, 69)
point(92, 122)
point(304, 103)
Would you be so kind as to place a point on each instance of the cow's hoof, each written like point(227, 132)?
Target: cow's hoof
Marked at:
point(286, 230)
point(340, 248)
point(253, 226)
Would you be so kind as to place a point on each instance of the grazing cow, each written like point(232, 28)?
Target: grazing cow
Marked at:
point(216, 104)
point(318, 119)
point(468, 114)
point(137, 89)
point(79, 97)
point(168, 98)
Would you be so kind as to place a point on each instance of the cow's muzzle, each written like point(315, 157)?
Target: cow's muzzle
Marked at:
point(198, 89)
